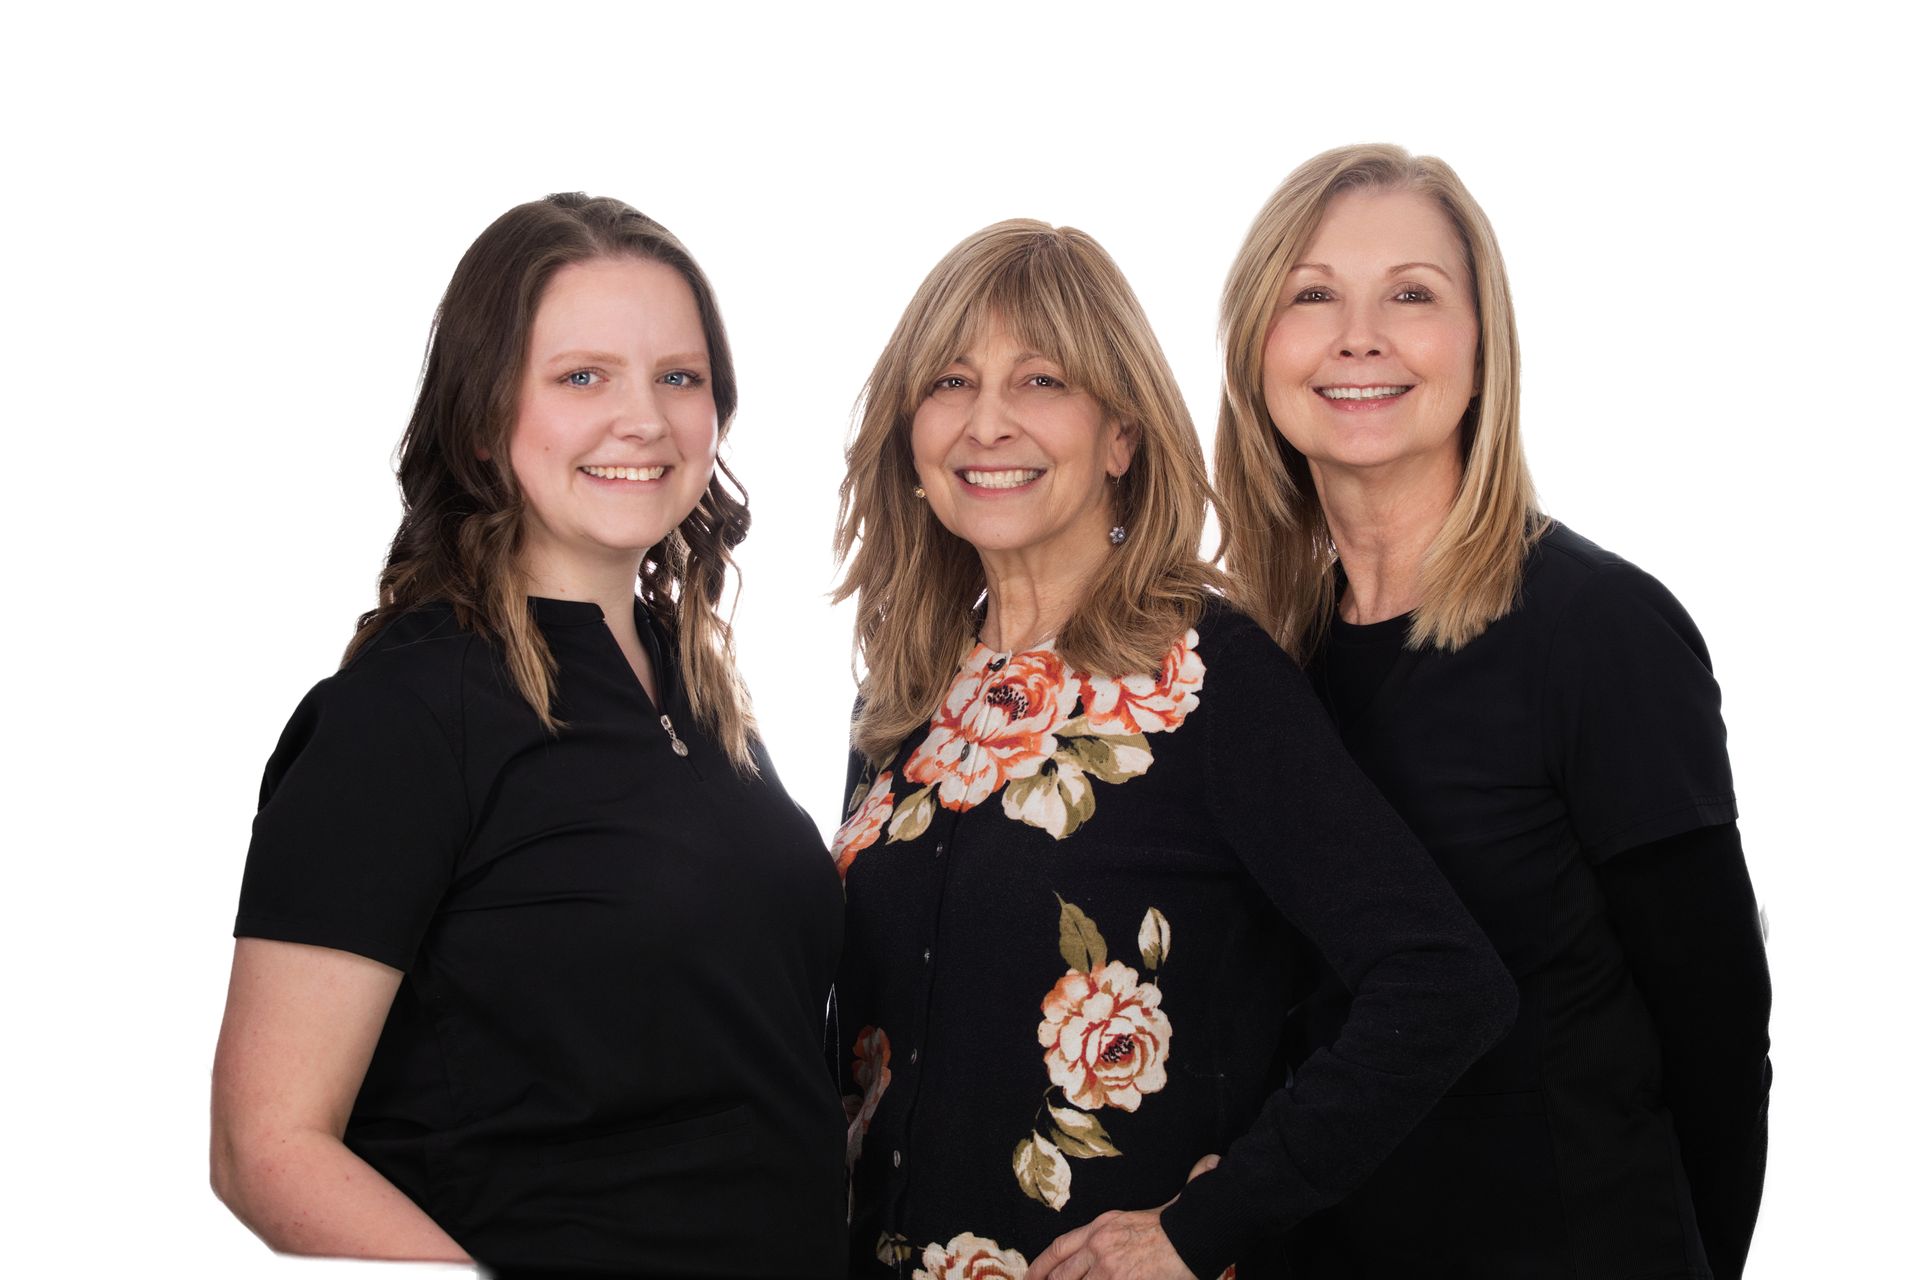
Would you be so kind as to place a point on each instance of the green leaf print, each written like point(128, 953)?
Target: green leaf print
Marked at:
point(1081, 945)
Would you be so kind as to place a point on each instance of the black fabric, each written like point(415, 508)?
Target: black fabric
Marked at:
point(1253, 836)
point(1585, 723)
point(605, 1053)
point(1683, 909)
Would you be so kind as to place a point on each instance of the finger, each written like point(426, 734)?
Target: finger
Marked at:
point(1054, 1254)
point(1204, 1164)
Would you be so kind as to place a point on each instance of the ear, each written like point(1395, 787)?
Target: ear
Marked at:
point(483, 453)
point(1120, 447)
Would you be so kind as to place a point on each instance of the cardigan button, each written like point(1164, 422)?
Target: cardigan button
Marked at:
point(913, 1058)
point(927, 955)
point(896, 1159)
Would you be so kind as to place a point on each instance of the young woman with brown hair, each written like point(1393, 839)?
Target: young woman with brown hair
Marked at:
point(533, 951)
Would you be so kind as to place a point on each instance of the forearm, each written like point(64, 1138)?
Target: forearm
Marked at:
point(305, 1193)
point(1684, 911)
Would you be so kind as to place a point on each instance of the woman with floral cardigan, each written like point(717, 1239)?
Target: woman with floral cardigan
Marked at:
point(1099, 820)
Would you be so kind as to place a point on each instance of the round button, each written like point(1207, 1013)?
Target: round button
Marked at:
point(927, 955)
point(896, 1159)
point(939, 849)
point(913, 1058)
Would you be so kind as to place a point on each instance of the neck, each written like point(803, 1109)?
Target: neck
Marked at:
point(1030, 597)
point(609, 584)
point(1383, 520)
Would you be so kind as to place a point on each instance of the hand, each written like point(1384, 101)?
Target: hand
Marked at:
point(1117, 1245)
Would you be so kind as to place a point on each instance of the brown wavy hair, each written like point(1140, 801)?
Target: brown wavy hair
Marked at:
point(1274, 534)
point(917, 585)
point(460, 534)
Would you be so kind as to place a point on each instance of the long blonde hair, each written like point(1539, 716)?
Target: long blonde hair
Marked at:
point(917, 585)
point(1274, 535)
point(460, 533)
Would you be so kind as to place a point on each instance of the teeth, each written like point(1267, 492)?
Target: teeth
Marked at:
point(626, 473)
point(1000, 479)
point(1363, 393)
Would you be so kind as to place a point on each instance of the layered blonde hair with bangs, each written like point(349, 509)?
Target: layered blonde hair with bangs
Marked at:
point(917, 585)
point(1275, 539)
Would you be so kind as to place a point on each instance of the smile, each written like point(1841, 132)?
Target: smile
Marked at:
point(625, 473)
point(1001, 479)
point(1361, 393)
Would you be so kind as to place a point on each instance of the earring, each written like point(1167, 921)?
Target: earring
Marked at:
point(1117, 534)
point(918, 492)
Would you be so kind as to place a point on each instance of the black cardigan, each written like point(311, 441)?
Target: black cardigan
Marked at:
point(1078, 911)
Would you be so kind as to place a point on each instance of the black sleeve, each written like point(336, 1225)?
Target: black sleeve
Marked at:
point(1684, 911)
point(362, 817)
point(1635, 741)
point(1430, 994)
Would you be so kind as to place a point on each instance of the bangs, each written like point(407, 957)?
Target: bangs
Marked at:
point(1037, 290)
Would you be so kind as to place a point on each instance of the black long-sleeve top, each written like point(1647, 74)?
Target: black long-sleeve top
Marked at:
point(1568, 770)
point(1078, 913)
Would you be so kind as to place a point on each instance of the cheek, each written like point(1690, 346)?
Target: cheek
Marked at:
point(926, 436)
point(1288, 359)
point(1447, 351)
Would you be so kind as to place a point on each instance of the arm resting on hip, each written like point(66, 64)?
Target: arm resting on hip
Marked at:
point(300, 1029)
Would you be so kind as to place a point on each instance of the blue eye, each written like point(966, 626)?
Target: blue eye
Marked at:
point(580, 378)
point(682, 378)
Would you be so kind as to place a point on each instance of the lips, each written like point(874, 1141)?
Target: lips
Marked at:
point(625, 473)
point(1002, 478)
point(1362, 393)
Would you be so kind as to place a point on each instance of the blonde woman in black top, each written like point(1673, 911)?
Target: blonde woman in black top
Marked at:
point(1100, 818)
point(533, 950)
point(1543, 715)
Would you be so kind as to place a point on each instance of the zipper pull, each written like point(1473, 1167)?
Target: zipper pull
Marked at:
point(679, 747)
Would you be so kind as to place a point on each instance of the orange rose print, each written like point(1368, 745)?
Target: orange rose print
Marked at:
point(970, 1257)
point(997, 723)
point(871, 1054)
point(866, 824)
point(1146, 703)
point(1105, 1037)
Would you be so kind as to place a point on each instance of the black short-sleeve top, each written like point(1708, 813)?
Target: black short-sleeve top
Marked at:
point(1584, 723)
point(606, 1051)
point(1078, 906)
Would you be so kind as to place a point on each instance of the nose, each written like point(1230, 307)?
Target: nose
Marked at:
point(1361, 333)
point(990, 417)
point(637, 414)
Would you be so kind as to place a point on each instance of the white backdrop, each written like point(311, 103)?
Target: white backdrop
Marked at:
point(229, 230)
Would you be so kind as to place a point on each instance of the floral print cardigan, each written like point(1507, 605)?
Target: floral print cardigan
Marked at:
point(1079, 908)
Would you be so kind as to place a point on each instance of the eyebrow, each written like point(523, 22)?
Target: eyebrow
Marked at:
point(586, 357)
point(608, 357)
point(1324, 269)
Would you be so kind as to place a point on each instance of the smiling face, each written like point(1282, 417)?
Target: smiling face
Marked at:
point(616, 433)
point(1015, 459)
point(1370, 359)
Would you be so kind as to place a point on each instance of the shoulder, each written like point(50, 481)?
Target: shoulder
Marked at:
point(1581, 582)
point(1594, 599)
point(1242, 660)
point(1226, 633)
point(418, 664)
